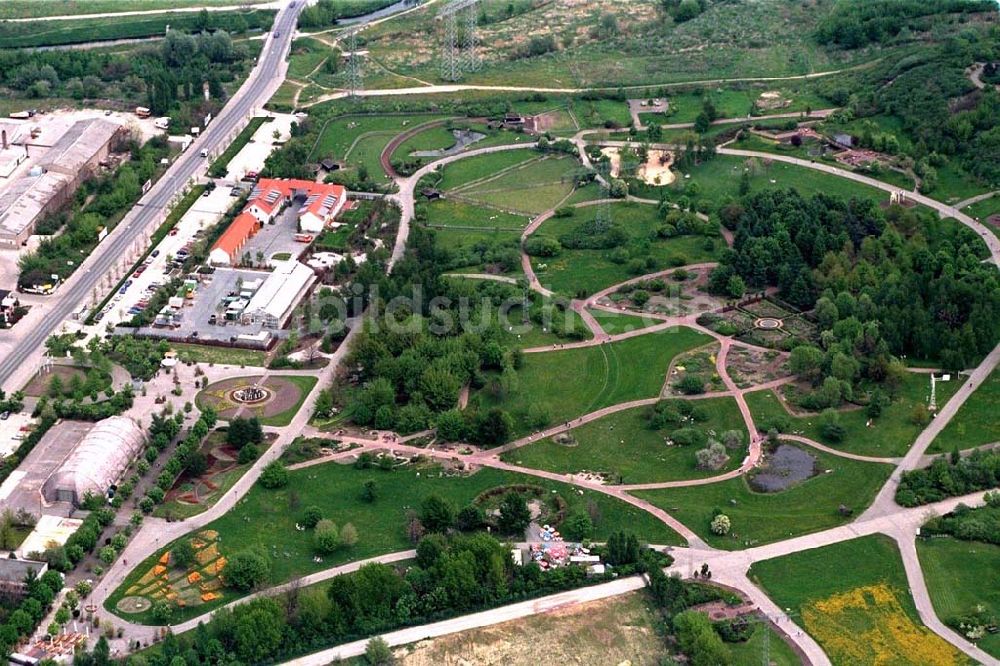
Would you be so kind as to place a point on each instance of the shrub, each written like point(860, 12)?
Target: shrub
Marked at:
point(275, 475)
point(721, 525)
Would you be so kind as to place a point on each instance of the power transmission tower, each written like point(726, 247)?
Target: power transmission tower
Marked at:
point(459, 56)
point(355, 66)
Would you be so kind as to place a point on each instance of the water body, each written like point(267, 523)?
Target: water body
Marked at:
point(463, 139)
point(783, 468)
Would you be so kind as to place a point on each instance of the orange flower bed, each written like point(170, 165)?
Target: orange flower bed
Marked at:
point(165, 558)
point(194, 577)
point(220, 564)
point(209, 596)
point(159, 570)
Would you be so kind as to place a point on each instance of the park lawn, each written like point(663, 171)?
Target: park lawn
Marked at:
point(759, 518)
point(891, 434)
point(719, 178)
point(614, 323)
point(478, 167)
point(305, 384)
point(532, 188)
point(366, 153)
point(961, 575)
point(265, 519)
point(868, 599)
point(462, 240)
point(527, 335)
point(583, 271)
point(984, 209)
point(603, 375)
point(748, 653)
point(461, 215)
point(221, 355)
point(597, 113)
point(956, 184)
point(686, 106)
point(339, 133)
point(437, 137)
point(306, 55)
point(977, 421)
point(622, 445)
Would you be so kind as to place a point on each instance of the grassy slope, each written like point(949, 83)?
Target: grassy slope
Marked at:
point(603, 375)
point(961, 575)
point(766, 517)
point(977, 421)
point(623, 444)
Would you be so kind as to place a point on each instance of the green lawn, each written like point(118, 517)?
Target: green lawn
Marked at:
point(221, 355)
point(961, 575)
point(720, 178)
point(306, 55)
point(265, 519)
point(614, 323)
point(868, 629)
point(984, 208)
point(576, 271)
point(955, 184)
point(532, 188)
point(339, 133)
point(622, 444)
point(479, 167)
point(977, 421)
point(462, 215)
point(749, 652)
point(541, 335)
point(12, 9)
point(891, 434)
point(759, 518)
point(603, 375)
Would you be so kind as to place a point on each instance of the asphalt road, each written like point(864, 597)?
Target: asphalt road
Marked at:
point(256, 90)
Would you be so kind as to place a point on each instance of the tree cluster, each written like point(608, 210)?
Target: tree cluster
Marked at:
point(20, 622)
point(968, 524)
point(946, 478)
point(852, 25)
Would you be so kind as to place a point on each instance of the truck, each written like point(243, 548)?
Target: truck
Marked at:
point(21, 115)
point(142, 112)
point(304, 238)
point(162, 123)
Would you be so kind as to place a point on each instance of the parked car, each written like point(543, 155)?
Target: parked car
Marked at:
point(4, 416)
point(154, 253)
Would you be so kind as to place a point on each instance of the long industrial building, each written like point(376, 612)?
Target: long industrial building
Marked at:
point(73, 159)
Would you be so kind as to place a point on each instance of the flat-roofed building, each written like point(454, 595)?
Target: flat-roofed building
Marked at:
point(272, 304)
point(28, 200)
point(82, 148)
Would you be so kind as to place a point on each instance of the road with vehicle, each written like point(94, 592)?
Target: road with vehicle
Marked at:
point(26, 351)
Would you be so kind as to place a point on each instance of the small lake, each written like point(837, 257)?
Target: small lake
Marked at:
point(783, 468)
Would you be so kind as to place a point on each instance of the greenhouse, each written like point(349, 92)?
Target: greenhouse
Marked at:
point(97, 461)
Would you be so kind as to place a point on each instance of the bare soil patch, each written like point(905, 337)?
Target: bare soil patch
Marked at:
point(749, 367)
point(39, 384)
point(284, 395)
point(611, 631)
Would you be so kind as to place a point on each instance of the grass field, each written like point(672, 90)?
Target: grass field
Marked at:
point(77, 31)
point(221, 355)
point(861, 613)
point(462, 215)
point(265, 519)
point(891, 434)
point(616, 322)
point(622, 444)
point(984, 209)
point(960, 576)
point(720, 178)
point(584, 271)
point(759, 518)
point(531, 188)
point(603, 375)
point(480, 167)
point(537, 335)
point(339, 133)
point(977, 421)
point(16, 9)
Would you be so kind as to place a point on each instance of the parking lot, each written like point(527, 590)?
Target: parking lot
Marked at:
point(206, 303)
point(251, 157)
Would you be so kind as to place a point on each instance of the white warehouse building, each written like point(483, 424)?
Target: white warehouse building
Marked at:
point(272, 304)
point(97, 461)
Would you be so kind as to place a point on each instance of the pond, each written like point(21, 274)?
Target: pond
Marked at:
point(783, 468)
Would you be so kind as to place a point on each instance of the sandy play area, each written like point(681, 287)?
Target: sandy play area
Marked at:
point(656, 170)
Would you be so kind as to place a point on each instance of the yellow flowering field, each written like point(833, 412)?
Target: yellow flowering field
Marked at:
point(867, 625)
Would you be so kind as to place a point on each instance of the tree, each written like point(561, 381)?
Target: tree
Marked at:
point(247, 570)
point(920, 416)
point(326, 537)
point(378, 652)
point(702, 123)
point(183, 554)
point(369, 491)
point(720, 525)
point(452, 426)
point(311, 517)
point(577, 526)
point(713, 456)
point(514, 514)
point(437, 514)
point(470, 518)
point(348, 535)
point(806, 361)
point(494, 427)
point(830, 428)
point(699, 640)
point(275, 475)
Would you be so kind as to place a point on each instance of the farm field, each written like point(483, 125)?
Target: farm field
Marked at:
point(623, 447)
point(862, 613)
point(575, 272)
point(960, 576)
point(265, 519)
point(759, 518)
point(16, 9)
point(891, 434)
point(977, 421)
point(604, 375)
